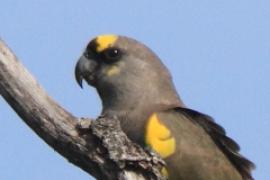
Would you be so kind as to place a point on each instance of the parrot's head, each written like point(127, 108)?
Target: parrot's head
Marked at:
point(125, 73)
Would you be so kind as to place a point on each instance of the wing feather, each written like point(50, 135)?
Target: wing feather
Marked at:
point(226, 144)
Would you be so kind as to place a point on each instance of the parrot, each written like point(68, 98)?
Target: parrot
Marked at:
point(137, 88)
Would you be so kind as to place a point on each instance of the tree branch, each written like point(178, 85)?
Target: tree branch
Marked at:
point(98, 147)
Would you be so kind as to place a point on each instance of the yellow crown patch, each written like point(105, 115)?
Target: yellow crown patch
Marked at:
point(105, 41)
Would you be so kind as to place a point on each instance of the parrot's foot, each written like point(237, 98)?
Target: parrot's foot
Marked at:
point(83, 125)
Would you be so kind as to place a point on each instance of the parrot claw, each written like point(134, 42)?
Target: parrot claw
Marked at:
point(83, 125)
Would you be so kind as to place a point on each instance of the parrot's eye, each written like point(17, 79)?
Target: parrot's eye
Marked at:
point(112, 54)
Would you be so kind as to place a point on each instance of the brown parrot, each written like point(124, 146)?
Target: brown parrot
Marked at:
point(137, 88)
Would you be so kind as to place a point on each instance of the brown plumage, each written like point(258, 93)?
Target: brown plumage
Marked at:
point(136, 87)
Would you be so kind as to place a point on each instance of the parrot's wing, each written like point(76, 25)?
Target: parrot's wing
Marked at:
point(227, 145)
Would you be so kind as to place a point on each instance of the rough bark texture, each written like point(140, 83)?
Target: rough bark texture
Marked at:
point(98, 147)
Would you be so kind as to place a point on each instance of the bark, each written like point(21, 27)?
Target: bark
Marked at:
point(98, 147)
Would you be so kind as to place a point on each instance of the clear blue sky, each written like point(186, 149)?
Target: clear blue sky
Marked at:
point(217, 51)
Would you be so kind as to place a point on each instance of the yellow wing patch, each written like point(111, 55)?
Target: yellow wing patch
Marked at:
point(105, 41)
point(158, 137)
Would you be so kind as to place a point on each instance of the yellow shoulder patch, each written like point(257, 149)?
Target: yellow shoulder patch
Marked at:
point(105, 41)
point(159, 138)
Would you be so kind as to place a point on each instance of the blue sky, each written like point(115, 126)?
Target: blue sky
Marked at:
point(217, 51)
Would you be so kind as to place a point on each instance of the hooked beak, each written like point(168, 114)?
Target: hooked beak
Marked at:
point(85, 70)
point(78, 72)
